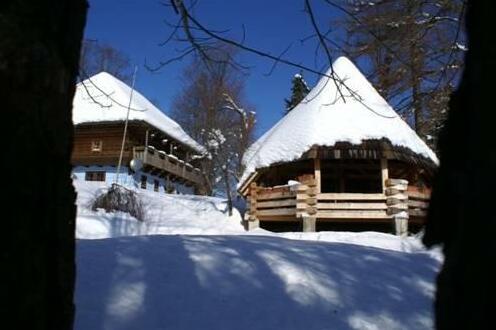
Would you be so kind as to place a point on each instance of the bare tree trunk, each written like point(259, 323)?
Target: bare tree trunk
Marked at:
point(416, 100)
point(39, 50)
point(228, 190)
point(461, 215)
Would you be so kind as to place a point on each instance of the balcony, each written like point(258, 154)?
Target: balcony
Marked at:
point(160, 163)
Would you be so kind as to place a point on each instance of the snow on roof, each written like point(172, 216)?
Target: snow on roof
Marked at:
point(114, 95)
point(324, 118)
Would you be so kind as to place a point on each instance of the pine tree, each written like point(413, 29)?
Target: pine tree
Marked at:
point(299, 90)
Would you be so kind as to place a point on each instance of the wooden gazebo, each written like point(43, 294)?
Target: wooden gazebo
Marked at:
point(342, 159)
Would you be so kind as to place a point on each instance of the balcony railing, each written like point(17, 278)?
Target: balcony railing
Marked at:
point(168, 164)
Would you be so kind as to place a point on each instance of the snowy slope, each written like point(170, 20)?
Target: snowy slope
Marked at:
point(230, 279)
point(249, 283)
point(114, 95)
point(168, 214)
point(164, 213)
point(324, 118)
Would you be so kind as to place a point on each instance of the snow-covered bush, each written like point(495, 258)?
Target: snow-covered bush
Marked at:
point(119, 198)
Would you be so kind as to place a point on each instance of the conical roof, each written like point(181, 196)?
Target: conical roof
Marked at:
point(112, 99)
point(353, 113)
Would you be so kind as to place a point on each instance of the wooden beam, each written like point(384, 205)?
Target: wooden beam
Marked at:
point(418, 195)
point(275, 195)
point(417, 213)
point(350, 221)
point(352, 206)
point(350, 196)
point(282, 211)
point(317, 175)
point(277, 203)
point(275, 218)
point(371, 214)
point(384, 173)
point(418, 204)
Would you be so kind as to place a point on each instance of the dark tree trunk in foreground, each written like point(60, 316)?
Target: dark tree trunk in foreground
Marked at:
point(462, 214)
point(39, 51)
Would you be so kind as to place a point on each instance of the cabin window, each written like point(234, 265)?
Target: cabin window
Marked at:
point(143, 182)
point(96, 145)
point(156, 185)
point(95, 176)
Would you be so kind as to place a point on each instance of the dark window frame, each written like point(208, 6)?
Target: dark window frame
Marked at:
point(99, 176)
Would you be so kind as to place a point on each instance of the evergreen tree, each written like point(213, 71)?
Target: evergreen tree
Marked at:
point(299, 90)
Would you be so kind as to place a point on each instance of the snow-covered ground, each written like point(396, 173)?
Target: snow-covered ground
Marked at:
point(164, 213)
point(189, 266)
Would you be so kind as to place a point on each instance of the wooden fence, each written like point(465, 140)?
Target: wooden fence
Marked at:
point(303, 201)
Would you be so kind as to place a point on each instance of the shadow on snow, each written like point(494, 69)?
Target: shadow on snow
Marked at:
point(249, 282)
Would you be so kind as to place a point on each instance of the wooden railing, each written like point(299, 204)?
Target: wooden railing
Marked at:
point(168, 163)
point(418, 203)
point(352, 206)
point(303, 202)
point(276, 203)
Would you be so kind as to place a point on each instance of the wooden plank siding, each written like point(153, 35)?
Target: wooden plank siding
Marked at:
point(111, 137)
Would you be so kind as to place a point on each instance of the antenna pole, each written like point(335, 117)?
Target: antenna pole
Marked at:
point(125, 126)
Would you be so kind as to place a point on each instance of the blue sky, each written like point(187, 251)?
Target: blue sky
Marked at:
point(136, 27)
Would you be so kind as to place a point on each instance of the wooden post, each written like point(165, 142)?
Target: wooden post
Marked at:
point(317, 175)
point(397, 203)
point(308, 224)
point(384, 173)
point(146, 147)
point(251, 220)
point(306, 201)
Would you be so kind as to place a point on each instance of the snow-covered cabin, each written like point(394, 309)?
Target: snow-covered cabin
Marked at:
point(342, 158)
point(158, 155)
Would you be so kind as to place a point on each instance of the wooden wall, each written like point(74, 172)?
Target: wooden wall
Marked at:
point(111, 137)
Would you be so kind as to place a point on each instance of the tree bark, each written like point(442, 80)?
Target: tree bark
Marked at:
point(461, 215)
point(228, 190)
point(39, 51)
